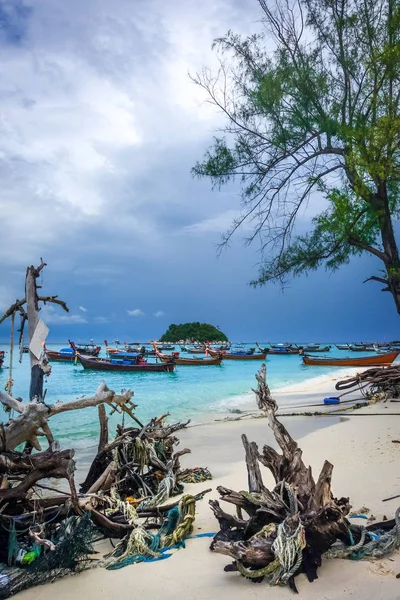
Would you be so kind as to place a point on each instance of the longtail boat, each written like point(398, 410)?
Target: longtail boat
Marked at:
point(189, 361)
point(315, 349)
point(64, 355)
point(287, 350)
point(364, 361)
point(193, 362)
point(196, 350)
point(87, 349)
point(361, 347)
point(110, 350)
point(123, 365)
point(342, 346)
point(283, 349)
point(237, 355)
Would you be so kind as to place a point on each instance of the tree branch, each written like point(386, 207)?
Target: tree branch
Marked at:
point(54, 300)
point(11, 402)
point(359, 244)
point(379, 279)
point(13, 308)
point(103, 394)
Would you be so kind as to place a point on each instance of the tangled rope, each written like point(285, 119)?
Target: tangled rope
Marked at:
point(377, 547)
point(196, 475)
point(288, 546)
point(185, 526)
point(164, 490)
point(142, 544)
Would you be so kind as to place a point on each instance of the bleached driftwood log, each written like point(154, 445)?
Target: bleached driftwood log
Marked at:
point(33, 416)
point(39, 366)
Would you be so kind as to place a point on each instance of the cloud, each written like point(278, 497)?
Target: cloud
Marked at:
point(81, 113)
point(100, 320)
point(159, 313)
point(135, 312)
point(217, 224)
point(56, 316)
point(82, 308)
point(7, 297)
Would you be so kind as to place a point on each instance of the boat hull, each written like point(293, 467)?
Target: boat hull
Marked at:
point(195, 351)
point(95, 352)
point(57, 356)
point(244, 356)
point(195, 362)
point(227, 356)
point(359, 349)
point(102, 364)
point(320, 349)
point(364, 361)
point(290, 352)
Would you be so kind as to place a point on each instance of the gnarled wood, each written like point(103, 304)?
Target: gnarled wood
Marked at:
point(34, 416)
point(253, 467)
point(295, 500)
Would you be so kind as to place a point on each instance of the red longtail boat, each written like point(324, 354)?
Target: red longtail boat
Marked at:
point(363, 361)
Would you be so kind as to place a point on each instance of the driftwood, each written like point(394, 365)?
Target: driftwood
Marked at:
point(33, 417)
point(384, 381)
point(139, 468)
point(288, 529)
point(123, 496)
point(39, 366)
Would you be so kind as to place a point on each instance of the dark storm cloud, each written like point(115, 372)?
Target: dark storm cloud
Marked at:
point(99, 127)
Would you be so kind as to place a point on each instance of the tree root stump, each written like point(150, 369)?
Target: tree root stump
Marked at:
point(280, 533)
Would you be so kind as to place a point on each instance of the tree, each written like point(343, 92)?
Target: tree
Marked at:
point(197, 332)
point(318, 115)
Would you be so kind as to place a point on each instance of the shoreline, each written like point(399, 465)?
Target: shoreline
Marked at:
point(312, 390)
point(311, 386)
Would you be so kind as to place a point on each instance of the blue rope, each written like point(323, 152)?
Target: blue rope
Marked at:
point(155, 546)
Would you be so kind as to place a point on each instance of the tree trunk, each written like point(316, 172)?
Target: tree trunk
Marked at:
point(37, 374)
point(392, 261)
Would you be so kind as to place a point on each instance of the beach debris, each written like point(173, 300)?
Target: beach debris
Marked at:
point(123, 497)
point(391, 498)
point(279, 533)
point(73, 545)
point(377, 383)
point(239, 417)
point(48, 535)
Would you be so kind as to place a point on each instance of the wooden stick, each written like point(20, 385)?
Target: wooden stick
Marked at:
point(391, 498)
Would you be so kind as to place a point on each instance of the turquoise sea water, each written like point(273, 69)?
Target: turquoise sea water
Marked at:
point(190, 392)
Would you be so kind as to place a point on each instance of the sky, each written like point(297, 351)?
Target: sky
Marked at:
point(100, 125)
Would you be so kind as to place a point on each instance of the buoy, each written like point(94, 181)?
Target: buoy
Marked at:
point(332, 400)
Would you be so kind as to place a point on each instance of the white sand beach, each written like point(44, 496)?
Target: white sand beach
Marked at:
point(366, 468)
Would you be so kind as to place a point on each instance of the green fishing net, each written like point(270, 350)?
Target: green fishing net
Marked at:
point(73, 542)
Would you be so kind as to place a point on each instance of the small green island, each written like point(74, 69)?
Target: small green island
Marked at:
point(195, 332)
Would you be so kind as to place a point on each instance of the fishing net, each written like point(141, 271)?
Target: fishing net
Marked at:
point(73, 544)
